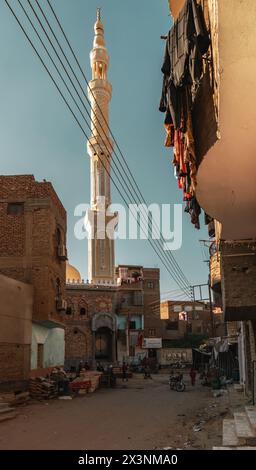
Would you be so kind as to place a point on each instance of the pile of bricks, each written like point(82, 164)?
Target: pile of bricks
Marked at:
point(42, 389)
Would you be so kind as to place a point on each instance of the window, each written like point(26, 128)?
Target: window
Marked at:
point(172, 325)
point(15, 208)
point(188, 308)
point(69, 311)
point(150, 285)
point(132, 325)
point(152, 332)
point(82, 311)
point(177, 308)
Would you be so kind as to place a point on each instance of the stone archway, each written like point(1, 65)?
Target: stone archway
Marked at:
point(103, 344)
point(104, 337)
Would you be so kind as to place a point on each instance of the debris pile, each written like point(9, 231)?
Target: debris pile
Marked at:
point(41, 388)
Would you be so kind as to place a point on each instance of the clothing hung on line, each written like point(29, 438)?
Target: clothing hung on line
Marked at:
point(187, 42)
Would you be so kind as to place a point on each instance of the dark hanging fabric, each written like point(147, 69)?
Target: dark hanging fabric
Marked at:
point(187, 41)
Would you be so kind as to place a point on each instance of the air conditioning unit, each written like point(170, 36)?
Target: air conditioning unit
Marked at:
point(62, 252)
point(62, 305)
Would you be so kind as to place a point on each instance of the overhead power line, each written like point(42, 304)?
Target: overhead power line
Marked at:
point(160, 255)
point(169, 255)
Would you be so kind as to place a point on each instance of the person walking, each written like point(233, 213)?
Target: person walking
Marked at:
point(124, 372)
point(147, 372)
point(193, 376)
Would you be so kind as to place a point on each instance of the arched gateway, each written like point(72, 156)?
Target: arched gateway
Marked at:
point(104, 337)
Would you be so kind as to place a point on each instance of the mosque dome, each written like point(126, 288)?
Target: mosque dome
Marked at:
point(72, 273)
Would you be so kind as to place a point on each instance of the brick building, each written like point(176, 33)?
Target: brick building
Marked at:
point(110, 322)
point(181, 318)
point(238, 278)
point(33, 250)
point(224, 129)
point(16, 308)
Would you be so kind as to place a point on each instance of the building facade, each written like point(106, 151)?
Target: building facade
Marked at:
point(182, 318)
point(223, 127)
point(33, 250)
point(107, 323)
point(16, 309)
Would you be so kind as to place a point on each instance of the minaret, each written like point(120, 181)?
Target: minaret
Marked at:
point(101, 259)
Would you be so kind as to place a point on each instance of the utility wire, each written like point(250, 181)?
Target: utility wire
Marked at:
point(104, 119)
point(176, 272)
point(88, 124)
point(67, 102)
point(176, 269)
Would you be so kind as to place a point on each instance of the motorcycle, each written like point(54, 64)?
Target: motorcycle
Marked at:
point(176, 383)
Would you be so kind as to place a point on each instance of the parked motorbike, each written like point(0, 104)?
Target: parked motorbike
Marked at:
point(176, 383)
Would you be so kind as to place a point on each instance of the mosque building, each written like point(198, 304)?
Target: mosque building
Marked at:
point(109, 316)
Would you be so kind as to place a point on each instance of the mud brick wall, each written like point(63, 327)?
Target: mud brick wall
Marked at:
point(238, 271)
point(14, 362)
point(28, 241)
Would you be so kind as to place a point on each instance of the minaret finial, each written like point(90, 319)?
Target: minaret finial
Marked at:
point(98, 14)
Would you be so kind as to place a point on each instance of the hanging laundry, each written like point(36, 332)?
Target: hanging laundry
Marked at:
point(169, 127)
point(186, 43)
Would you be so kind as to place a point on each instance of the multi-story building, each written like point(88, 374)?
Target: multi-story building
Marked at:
point(223, 119)
point(181, 318)
point(33, 250)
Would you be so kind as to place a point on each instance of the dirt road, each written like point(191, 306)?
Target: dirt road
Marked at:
point(144, 414)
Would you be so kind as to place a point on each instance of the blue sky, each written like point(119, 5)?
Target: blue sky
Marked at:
point(38, 135)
